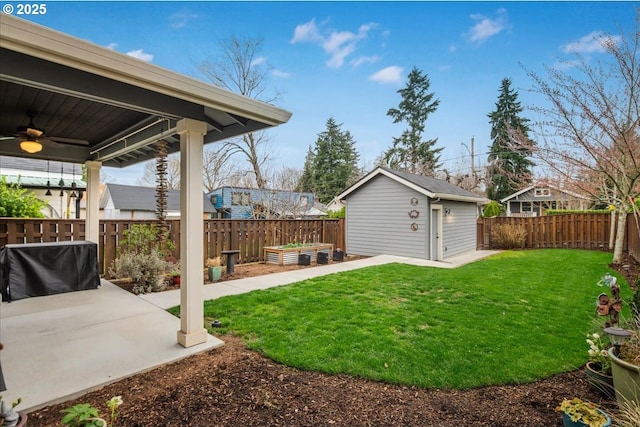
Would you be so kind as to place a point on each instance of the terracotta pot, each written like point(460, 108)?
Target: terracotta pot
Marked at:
point(176, 280)
point(602, 383)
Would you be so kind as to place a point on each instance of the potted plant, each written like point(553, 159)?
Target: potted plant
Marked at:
point(625, 368)
point(214, 268)
point(578, 413)
point(9, 417)
point(598, 368)
point(175, 274)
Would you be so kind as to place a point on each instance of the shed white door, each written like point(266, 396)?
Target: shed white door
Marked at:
point(436, 234)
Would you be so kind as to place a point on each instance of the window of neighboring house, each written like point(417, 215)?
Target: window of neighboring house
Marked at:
point(542, 192)
point(214, 199)
point(304, 200)
point(241, 198)
point(526, 206)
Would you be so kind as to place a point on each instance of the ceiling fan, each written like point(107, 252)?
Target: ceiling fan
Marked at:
point(32, 138)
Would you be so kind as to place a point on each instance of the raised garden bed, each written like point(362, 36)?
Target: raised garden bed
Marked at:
point(285, 255)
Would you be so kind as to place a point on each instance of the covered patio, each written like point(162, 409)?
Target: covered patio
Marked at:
point(64, 99)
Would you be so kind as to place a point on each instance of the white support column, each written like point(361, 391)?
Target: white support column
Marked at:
point(92, 219)
point(192, 331)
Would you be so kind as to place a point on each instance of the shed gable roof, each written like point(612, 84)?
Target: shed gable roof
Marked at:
point(431, 187)
point(134, 198)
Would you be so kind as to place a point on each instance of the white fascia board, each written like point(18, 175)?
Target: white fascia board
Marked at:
point(44, 43)
point(456, 198)
point(517, 194)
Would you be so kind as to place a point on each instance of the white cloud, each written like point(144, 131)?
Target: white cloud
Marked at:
point(112, 46)
point(280, 74)
point(593, 42)
point(485, 27)
point(181, 19)
point(259, 60)
point(140, 54)
point(452, 48)
point(387, 75)
point(307, 32)
point(338, 44)
point(365, 60)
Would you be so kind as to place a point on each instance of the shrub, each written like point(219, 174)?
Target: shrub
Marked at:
point(550, 212)
point(491, 209)
point(18, 202)
point(337, 214)
point(145, 270)
point(508, 236)
point(142, 239)
point(141, 257)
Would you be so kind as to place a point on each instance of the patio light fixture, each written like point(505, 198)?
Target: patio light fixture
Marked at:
point(48, 193)
point(73, 183)
point(30, 146)
point(447, 211)
point(618, 336)
point(61, 182)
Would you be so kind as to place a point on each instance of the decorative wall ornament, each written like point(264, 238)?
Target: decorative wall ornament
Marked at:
point(414, 201)
point(414, 227)
point(414, 214)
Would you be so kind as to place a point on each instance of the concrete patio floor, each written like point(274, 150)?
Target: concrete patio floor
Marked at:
point(62, 346)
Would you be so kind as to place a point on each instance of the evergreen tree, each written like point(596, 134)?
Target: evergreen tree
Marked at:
point(306, 180)
point(409, 152)
point(509, 166)
point(335, 162)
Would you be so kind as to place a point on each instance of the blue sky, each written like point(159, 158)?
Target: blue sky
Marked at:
point(347, 60)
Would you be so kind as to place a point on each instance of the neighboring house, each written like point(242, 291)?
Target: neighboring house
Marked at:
point(335, 205)
point(397, 213)
point(245, 203)
point(133, 202)
point(535, 200)
point(58, 184)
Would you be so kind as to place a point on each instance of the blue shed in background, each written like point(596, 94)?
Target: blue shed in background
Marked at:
point(254, 203)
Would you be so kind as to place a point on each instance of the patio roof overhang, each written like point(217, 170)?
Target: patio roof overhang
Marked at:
point(120, 105)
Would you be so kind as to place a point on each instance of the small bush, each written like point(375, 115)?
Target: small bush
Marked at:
point(491, 209)
point(337, 214)
point(550, 212)
point(508, 236)
point(145, 270)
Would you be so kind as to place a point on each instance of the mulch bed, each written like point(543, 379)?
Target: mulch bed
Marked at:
point(233, 386)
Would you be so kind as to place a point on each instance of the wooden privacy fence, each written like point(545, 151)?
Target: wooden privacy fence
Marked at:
point(633, 237)
point(575, 231)
point(247, 236)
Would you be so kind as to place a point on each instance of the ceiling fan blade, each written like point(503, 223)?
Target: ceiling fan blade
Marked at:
point(30, 131)
point(68, 140)
point(4, 138)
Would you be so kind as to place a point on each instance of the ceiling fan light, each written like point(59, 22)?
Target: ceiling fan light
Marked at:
point(30, 146)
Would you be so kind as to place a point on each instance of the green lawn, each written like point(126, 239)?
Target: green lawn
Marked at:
point(514, 317)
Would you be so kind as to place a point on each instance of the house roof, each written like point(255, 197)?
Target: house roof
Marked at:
point(134, 198)
point(518, 193)
point(98, 104)
point(35, 173)
point(431, 187)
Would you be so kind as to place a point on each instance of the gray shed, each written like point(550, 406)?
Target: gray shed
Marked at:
point(396, 213)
